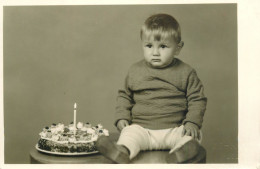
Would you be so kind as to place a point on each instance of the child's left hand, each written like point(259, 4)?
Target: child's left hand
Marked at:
point(191, 129)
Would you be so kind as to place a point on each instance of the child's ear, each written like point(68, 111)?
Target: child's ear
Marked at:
point(180, 45)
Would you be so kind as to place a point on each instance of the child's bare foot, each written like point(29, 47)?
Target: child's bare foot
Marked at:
point(117, 153)
point(188, 151)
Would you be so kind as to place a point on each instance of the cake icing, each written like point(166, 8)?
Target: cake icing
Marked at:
point(61, 138)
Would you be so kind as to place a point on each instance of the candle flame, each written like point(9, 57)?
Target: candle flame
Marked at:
point(75, 105)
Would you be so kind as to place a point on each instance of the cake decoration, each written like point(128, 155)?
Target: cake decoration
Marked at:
point(71, 138)
point(61, 138)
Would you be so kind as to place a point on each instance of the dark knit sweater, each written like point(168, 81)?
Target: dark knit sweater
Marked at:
point(161, 98)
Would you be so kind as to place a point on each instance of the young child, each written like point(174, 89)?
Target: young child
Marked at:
point(162, 104)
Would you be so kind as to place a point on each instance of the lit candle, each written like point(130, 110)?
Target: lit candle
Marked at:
point(75, 116)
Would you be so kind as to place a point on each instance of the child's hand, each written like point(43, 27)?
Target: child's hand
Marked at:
point(122, 124)
point(191, 129)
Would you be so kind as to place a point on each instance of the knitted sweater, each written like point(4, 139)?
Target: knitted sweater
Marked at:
point(161, 98)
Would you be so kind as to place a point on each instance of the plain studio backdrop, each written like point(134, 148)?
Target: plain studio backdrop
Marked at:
point(55, 56)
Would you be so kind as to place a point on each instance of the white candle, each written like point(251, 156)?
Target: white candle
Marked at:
point(75, 117)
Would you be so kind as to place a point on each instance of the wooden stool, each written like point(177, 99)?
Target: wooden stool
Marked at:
point(144, 157)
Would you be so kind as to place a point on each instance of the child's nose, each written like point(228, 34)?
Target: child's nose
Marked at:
point(156, 52)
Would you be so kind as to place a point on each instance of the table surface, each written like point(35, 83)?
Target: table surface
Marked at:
point(144, 157)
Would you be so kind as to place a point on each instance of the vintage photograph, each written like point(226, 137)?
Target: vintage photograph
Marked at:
point(121, 84)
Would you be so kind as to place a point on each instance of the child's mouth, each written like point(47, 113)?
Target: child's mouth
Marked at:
point(156, 60)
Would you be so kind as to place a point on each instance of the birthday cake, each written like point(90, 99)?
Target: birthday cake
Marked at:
point(80, 138)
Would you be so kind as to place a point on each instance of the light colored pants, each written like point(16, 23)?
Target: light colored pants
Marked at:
point(137, 138)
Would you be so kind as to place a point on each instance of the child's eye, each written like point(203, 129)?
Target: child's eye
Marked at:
point(163, 46)
point(149, 46)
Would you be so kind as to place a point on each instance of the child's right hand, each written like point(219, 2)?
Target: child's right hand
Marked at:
point(122, 124)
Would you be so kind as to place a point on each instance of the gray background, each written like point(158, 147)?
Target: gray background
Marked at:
point(57, 55)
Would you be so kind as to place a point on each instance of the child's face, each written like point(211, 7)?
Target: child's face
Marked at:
point(159, 54)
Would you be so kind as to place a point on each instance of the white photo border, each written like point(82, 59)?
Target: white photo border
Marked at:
point(248, 79)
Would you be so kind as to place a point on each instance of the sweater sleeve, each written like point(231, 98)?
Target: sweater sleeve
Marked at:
point(124, 103)
point(196, 100)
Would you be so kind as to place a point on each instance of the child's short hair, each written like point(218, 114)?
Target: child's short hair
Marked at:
point(161, 26)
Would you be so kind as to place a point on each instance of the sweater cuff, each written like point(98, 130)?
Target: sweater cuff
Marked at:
point(122, 117)
point(198, 123)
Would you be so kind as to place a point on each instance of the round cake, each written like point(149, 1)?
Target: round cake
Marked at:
point(62, 138)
